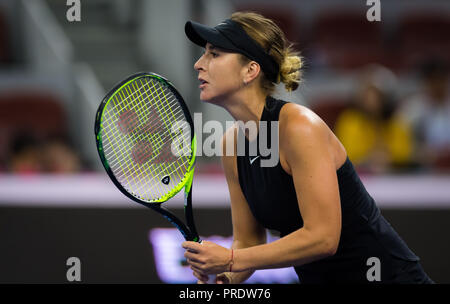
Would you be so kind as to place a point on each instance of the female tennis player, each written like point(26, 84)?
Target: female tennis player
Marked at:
point(330, 228)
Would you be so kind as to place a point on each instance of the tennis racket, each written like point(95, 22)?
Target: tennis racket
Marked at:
point(146, 142)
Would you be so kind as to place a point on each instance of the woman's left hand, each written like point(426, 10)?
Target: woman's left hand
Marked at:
point(207, 258)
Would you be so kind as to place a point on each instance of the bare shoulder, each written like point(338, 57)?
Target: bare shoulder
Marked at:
point(300, 128)
point(298, 120)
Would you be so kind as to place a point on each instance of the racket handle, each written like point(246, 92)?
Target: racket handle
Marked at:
point(211, 277)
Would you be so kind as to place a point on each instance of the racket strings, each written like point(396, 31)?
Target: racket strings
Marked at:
point(138, 185)
point(152, 122)
point(165, 147)
point(157, 181)
point(143, 185)
point(167, 164)
point(162, 135)
point(127, 162)
point(125, 176)
point(135, 107)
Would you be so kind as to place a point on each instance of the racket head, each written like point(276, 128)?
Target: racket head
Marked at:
point(135, 140)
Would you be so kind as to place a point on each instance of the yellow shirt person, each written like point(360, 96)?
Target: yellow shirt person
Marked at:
point(375, 144)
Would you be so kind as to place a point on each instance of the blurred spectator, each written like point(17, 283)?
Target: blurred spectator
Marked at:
point(58, 156)
point(24, 155)
point(375, 137)
point(54, 155)
point(429, 113)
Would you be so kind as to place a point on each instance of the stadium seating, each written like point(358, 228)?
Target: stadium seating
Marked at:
point(346, 40)
point(424, 34)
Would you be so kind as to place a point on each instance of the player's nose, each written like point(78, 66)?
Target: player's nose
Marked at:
point(199, 66)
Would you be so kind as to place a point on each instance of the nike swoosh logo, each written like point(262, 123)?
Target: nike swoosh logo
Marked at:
point(253, 159)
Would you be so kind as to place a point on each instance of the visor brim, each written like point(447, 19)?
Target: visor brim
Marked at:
point(201, 34)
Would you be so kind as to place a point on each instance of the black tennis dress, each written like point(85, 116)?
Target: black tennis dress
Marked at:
point(365, 233)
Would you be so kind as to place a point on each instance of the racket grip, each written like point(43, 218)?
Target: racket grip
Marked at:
point(211, 277)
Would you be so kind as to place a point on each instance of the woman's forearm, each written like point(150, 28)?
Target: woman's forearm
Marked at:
point(297, 248)
point(242, 276)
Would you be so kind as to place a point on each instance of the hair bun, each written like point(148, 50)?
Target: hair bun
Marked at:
point(290, 73)
point(291, 64)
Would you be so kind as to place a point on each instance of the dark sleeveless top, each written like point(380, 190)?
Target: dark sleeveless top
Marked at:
point(365, 233)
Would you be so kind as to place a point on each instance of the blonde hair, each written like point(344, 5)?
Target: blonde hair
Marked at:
point(271, 38)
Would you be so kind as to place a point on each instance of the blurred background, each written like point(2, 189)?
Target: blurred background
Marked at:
point(382, 87)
